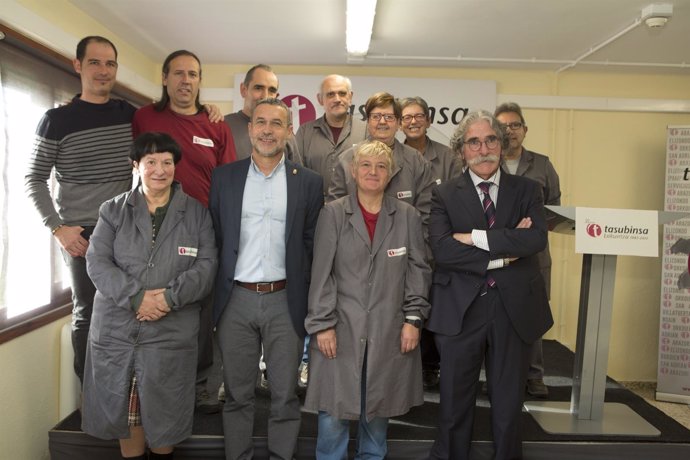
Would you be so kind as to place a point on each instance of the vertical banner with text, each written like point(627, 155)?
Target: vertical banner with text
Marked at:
point(673, 374)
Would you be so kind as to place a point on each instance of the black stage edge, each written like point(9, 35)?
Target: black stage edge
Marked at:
point(410, 436)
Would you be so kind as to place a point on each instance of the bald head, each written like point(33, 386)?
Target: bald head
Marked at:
point(335, 97)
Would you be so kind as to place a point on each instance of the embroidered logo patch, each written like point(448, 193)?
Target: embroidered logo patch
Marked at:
point(404, 194)
point(397, 252)
point(202, 141)
point(185, 251)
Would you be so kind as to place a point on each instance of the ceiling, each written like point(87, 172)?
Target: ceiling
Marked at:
point(524, 34)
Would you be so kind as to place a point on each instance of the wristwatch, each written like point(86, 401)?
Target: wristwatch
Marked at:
point(415, 322)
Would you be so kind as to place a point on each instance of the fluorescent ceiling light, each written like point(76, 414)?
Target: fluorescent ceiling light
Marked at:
point(359, 24)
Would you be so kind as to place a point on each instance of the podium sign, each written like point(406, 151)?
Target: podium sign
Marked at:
point(617, 232)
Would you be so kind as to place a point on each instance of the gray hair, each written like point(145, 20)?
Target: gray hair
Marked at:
point(373, 149)
point(457, 141)
point(415, 100)
point(275, 102)
point(347, 81)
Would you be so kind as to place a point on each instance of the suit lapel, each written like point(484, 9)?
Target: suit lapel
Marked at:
point(293, 180)
point(506, 200)
point(469, 200)
point(173, 216)
point(384, 225)
point(142, 218)
point(524, 163)
point(357, 220)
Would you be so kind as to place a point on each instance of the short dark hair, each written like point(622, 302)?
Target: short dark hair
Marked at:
point(84, 42)
point(154, 142)
point(250, 73)
point(510, 107)
point(381, 99)
point(165, 98)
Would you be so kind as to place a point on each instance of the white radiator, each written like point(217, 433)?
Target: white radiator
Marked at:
point(69, 382)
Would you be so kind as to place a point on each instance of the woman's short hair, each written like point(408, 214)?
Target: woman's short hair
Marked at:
point(373, 149)
point(382, 99)
point(154, 142)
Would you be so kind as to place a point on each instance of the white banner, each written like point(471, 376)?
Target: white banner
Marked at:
point(617, 231)
point(449, 100)
point(673, 371)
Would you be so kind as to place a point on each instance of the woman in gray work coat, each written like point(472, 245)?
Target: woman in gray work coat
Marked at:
point(152, 258)
point(367, 301)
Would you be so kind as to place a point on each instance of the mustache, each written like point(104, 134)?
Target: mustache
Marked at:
point(485, 159)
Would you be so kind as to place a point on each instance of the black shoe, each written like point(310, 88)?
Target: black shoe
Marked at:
point(204, 403)
point(431, 378)
point(537, 388)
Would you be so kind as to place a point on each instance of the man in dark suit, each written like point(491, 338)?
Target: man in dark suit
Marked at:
point(264, 211)
point(488, 297)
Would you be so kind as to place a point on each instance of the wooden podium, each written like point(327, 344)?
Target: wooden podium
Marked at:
point(587, 413)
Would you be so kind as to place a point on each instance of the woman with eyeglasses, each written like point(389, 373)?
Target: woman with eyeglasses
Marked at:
point(411, 180)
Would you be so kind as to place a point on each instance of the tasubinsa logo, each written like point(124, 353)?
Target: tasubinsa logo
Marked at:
point(594, 230)
point(302, 109)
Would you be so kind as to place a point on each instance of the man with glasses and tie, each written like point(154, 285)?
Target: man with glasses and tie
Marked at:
point(411, 179)
point(518, 160)
point(488, 297)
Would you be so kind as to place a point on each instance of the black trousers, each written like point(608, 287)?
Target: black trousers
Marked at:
point(487, 335)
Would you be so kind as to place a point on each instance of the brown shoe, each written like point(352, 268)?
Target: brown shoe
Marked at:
point(537, 388)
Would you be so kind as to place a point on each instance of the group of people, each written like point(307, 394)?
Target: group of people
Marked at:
point(226, 230)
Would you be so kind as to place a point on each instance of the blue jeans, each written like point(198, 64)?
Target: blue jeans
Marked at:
point(334, 435)
point(331, 442)
point(305, 351)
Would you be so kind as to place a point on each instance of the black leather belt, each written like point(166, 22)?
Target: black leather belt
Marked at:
point(270, 286)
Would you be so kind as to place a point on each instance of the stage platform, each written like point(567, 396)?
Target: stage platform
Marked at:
point(410, 436)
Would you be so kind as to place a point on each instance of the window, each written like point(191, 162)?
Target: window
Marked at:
point(33, 288)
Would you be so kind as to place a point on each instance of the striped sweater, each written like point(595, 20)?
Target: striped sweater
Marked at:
point(88, 147)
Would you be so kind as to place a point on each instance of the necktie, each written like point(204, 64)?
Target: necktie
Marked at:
point(488, 204)
point(490, 214)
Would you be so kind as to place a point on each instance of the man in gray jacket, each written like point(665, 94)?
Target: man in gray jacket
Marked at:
point(320, 142)
point(260, 82)
point(518, 160)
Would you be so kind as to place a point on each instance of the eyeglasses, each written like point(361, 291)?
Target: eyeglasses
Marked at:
point(514, 125)
point(475, 144)
point(416, 116)
point(386, 116)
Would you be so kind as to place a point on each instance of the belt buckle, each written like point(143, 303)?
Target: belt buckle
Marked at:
point(260, 285)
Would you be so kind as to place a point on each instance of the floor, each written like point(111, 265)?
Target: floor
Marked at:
point(679, 412)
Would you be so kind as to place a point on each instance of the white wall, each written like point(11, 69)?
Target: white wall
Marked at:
point(29, 388)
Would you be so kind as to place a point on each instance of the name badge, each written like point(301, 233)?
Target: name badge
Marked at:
point(397, 252)
point(186, 251)
point(202, 141)
point(404, 194)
